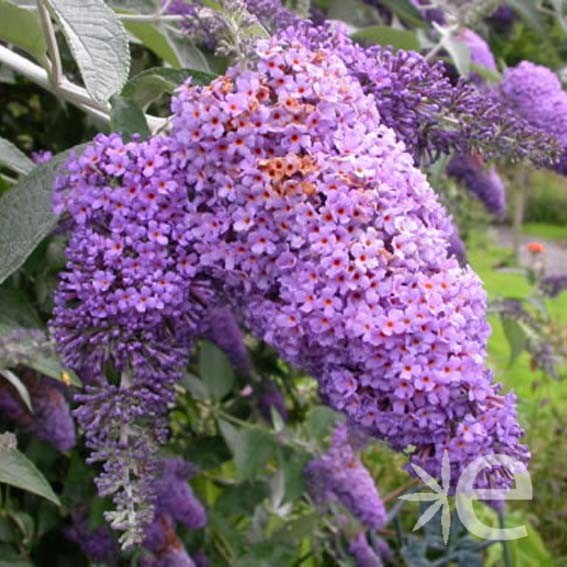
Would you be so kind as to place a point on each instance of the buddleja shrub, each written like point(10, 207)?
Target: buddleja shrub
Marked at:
point(210, 316)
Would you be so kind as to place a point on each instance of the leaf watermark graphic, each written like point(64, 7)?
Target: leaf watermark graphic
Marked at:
point(439, 497)
point(465, 495)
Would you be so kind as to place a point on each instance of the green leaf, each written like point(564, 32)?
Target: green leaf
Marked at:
point(127, 117)
point(15, 562)
point(385, 35)
point(22, 27)
point(230, 434)
point(16, 310)
point(240, 499)
point(488, 75)
point(516, 336)
point(11, 156)
point(460, 53)
point(154, 39)
point(253, 449)
point(99, 44)
point(50, 366)
point(208, 452)
point(150, 84)
point(17, 470)
point(529, 12)
point(406, 11)
point(215, 370)
point(190, 56)
point(19, 386)
point(320, 420)
point(194, 386)
point(267, 554)
point(26, 215)
point(530, 550)
point(293, 463)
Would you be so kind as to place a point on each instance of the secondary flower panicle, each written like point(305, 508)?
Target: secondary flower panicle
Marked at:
point(98, 544)
point(429, 113)
point(50, 419)
point(127, 307)
point(339, 476)
point(175, 502)
point(535, 93)
point(363, 553)
point(481, 181)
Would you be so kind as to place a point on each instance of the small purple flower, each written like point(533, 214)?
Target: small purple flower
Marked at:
point(51, 418)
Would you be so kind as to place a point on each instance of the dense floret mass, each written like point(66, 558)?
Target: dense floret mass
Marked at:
point(282, 193)
point(338, 246)
point(535, 93)
point(339, 476)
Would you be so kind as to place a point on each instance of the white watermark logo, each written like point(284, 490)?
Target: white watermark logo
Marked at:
point(466, 494)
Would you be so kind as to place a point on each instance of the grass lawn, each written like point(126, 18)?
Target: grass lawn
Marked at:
point(533, 387)
point(547, 231)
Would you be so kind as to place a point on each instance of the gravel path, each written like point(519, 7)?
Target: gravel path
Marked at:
point(555, 252)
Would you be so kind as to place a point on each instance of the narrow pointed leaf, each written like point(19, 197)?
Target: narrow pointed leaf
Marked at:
point(17, 470)
point(428, 514)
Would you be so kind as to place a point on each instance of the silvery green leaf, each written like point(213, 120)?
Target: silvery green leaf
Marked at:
point(459, 52)
point(99, 44)
point(17, 470)
point(13, 158)
point(26, 215)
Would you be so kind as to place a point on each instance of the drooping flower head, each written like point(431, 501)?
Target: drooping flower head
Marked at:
point(336, 248)
point(270, 396)
point(363, 553)
point(481, 181)
point(127, 307)
point(175, 502)
point(535, 93)
point(480, 51)
point(222, 328)
point(50, 418)
point(339, 476)
point(98, 544)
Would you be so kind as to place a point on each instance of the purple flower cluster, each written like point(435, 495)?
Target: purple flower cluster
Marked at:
point(51, 418)
point(502, 18)
point(480, 52)
point(339, 476)
point(175, 502)
point(127, 304)
point(481, 182)
point(535, 93)
point(363, 553)
point(281, 192)
point(335, 246)
point(417, 100)
point(221, 327)
point(270, 396)
point(97, 544)
point(553, 285)
point(42, 156)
